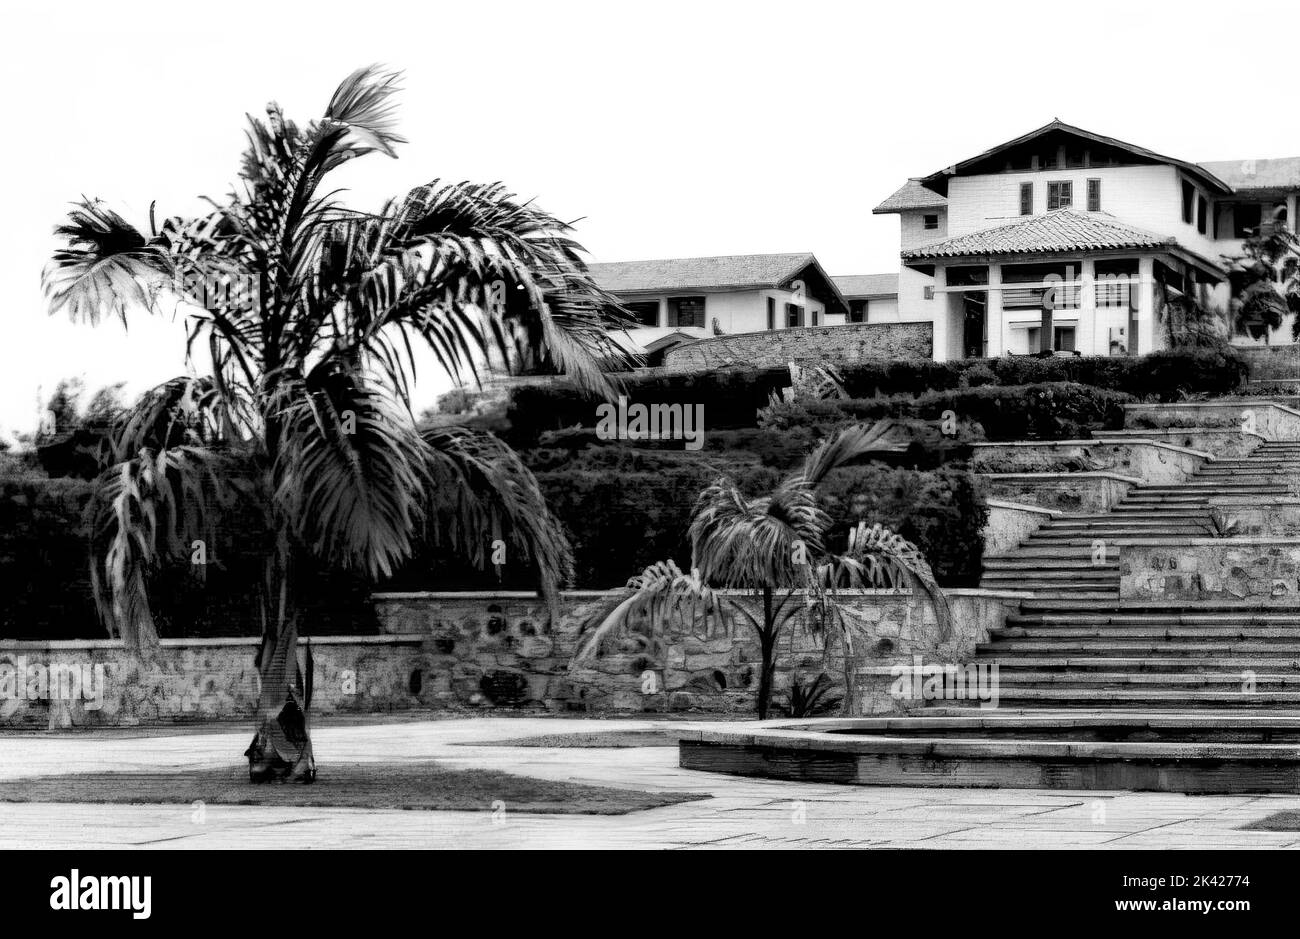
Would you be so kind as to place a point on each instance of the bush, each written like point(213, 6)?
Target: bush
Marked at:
point(942, 512)
point(731, 398)
point(45, 566)
point(1052, 411)
point(1166, 376)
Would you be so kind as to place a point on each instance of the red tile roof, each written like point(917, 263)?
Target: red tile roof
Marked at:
point(912, 195)
point(1063, 230)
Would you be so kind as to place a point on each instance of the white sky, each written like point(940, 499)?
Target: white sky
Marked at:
point(672, 129)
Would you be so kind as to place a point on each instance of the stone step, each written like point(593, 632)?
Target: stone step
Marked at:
point(1136, 631)
point(1226, 620)
point(1101, 682)
point(1147, 697)
point(1166, 606)
point(1095, 663)
point(1088, 574)
point(1203, 647)
point(1070, 560)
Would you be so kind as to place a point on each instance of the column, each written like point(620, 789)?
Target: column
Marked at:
point(1086, 337)
point(1146, 337)
point(994, 334)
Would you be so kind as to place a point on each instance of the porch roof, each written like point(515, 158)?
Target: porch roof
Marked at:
point(1060, 232)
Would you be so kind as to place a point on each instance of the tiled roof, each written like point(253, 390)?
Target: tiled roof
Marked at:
point(1282, 173)
point(912, 195)
point(868, 285)
point(732, 270)
point(1063, 230)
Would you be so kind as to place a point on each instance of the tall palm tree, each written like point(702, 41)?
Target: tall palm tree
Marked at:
point(310, 314)
point(770, 550)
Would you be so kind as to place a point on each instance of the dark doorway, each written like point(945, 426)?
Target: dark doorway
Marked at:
point(973, 341)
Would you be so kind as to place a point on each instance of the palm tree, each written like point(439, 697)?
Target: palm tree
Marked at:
point(310, 313)
point(770, 550)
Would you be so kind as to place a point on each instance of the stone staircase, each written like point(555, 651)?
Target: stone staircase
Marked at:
point(1092, 692)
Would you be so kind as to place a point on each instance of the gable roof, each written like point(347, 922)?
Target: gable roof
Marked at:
point(725, 272)
point(911, 195)
point(1248, 175)
point(1062, 230)
point(868, 285)
point(1193, 169)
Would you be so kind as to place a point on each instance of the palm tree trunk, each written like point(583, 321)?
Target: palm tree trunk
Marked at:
point(281, 747)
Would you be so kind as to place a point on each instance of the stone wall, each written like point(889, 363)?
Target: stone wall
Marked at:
point(1010, 524)
point(1270, 420)
point(1152, 462)
point(468, 652)
point(1250, 571)
point(1083, 493)
point(1272, 363)
point(1227, 443)
point(809, 345)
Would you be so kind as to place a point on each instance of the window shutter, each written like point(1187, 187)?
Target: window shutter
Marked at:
point(1026, 198)
point(1094, 195)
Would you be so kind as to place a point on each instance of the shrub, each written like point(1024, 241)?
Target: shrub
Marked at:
point(1167, 376)
point(942, 512)
point(1052, 411)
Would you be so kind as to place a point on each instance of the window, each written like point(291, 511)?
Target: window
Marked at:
point(1094, 195)
point(686, 311)
point(813, 317)
point(1060, 195)
point(931, 222)
point(1063, 339)
point(1026, 198)
point(1189, 196)
point(1245, 220)
point(793, 315)
point(646, 312)
point(929, 293)
point(1202, 210)
point(771, 312)
point(858, 311)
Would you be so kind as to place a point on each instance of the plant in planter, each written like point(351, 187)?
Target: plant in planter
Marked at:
point(771, 557)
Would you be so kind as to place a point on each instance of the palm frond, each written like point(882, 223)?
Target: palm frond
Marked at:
point(144, 511)
point(350, 472)
point(657, 597)
point(880, 558)
point(363, 105)
point(105, 266)
point(482, 492)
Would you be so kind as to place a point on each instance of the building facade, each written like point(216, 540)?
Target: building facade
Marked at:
point(1069, 241)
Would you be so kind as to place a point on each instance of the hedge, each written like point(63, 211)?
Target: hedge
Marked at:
point(731, 398)
point(625, 511)
point(44, 565)
point(1053, 411)
point(1166, 376)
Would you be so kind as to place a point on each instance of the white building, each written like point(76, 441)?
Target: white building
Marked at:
point(1064, 239)
point(682, 299)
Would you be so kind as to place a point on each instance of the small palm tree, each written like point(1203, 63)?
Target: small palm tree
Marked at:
point(770, 550)
point(308, 314)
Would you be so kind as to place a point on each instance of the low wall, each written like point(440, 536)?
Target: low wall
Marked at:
point(1244, 515)
point(1151, 461)
point(1250, 571)
point(1269, 419)
point(1011, 523)
point(1084, 493)
point(808, 345)
point(1220, 442)
point(1272, 363)
point(464, 652)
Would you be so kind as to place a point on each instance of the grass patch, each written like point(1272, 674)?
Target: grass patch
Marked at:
point(416, 786)
point(1288, 820)
point(602, 738)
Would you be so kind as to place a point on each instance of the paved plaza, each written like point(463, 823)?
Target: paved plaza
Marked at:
point(740, 813)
